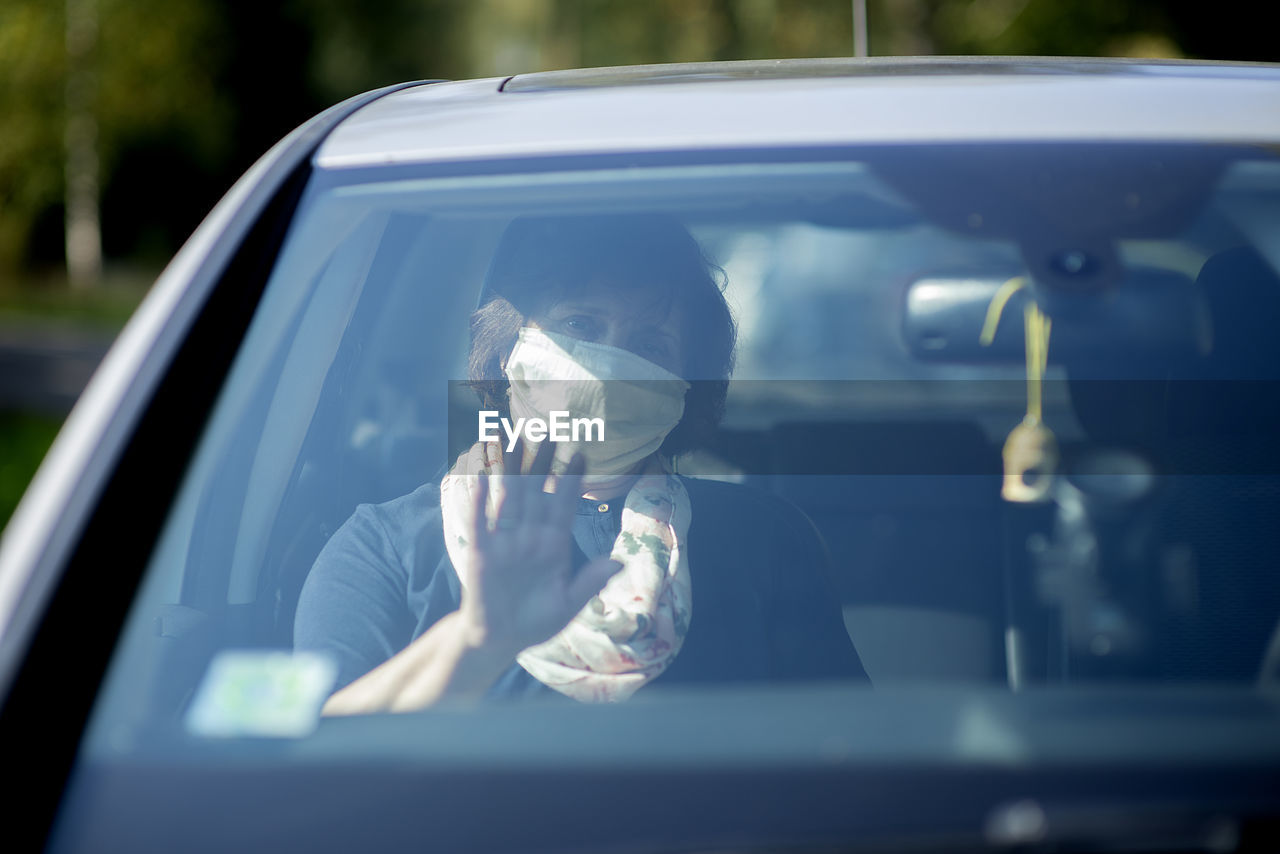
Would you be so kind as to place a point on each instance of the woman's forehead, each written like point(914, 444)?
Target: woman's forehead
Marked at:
point(656, 306)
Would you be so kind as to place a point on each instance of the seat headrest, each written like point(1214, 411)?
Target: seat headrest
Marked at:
point(1243, 294)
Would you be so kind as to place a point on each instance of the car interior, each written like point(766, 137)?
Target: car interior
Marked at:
point(863, 395)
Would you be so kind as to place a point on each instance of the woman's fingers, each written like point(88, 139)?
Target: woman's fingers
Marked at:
point(527, 575)
point(568, 489)
point(511, 494)
point(534, 485)
point(480, 512)
point(541, 465)
point(521, 498)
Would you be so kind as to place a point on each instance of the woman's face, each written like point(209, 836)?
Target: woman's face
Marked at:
point(627, 319)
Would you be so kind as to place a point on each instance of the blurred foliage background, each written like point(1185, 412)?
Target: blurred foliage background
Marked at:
point(125, 120)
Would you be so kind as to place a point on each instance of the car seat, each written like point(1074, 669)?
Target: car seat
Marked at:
point(911, 515)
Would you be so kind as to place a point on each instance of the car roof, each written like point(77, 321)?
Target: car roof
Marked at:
point(803, 103)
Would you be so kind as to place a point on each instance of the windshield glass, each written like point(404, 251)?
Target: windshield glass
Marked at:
point(871, 422)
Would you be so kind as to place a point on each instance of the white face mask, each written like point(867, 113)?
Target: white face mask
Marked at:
point(638, 402)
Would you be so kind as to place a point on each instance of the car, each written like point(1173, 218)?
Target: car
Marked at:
point(1004, 405)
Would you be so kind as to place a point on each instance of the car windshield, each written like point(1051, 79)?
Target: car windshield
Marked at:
point(999, 422)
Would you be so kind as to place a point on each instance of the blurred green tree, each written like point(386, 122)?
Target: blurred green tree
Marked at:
point(354, 46)
point(32, 71)
point(187, 93)
point(153, 76)
point(1021, 28)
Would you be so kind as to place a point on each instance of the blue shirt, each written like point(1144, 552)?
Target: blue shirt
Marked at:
point(596, 526)
point(763, 609)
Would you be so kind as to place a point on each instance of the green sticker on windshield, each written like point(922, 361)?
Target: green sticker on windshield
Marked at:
point(273, 694)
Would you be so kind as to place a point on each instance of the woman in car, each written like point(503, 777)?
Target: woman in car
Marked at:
point(585, 568)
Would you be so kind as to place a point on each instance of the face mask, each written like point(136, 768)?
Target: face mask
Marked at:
point(634, 402)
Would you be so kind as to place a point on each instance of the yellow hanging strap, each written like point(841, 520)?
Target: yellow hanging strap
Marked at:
point(1037, 326)
point(1030, 451)
point(996, 308)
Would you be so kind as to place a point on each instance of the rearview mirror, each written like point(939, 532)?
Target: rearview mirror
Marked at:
point(1150, 319)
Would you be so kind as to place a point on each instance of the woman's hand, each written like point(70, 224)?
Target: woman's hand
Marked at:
point(521, 591)
point(523, 588)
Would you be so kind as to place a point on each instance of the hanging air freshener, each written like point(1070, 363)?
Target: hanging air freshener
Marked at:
point(1030, 450)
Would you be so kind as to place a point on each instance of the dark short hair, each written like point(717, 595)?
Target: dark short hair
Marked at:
point(542, 260)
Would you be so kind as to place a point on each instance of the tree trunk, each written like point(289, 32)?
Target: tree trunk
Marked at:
point(83, 231)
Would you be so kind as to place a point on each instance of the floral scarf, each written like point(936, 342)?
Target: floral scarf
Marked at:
point(629, 633)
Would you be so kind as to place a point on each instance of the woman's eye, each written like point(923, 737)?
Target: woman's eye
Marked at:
point(581, 326)
point(654, 348)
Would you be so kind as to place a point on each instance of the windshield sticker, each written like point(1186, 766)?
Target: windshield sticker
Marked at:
point(271, 694)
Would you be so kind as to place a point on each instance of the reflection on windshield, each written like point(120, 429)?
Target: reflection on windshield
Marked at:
point(802, 443)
